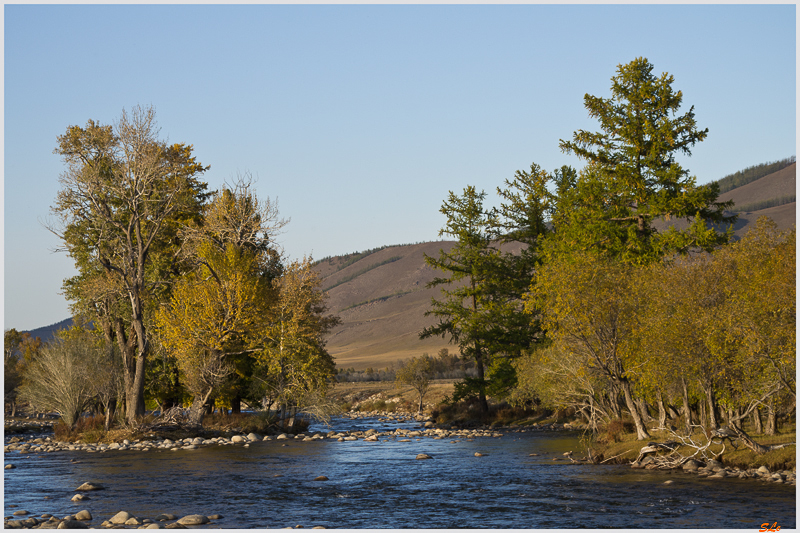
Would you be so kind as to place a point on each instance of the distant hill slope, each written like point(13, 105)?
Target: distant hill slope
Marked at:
point(46, 333)
point(382, 299)
point(772, 189)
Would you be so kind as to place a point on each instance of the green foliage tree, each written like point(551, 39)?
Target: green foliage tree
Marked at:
point(416, 373)
point(466, 312)
point(122, 197)
point(633, 178)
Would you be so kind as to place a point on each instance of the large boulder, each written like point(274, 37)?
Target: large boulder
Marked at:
point(120, 518)
point(83, 515)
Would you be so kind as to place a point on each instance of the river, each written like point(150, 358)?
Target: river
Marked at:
point(383, 485)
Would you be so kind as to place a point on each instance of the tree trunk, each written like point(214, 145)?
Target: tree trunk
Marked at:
point(759, 429)
point(687, 410)
point(110, 409)
point(198, 409)
point(236, 405)
point(772, 419)
point(662, 411)
point(641, 430)
point(643, 412)
point(745, 438)
point(712, 408)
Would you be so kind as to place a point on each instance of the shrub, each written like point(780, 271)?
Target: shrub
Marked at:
point(67, 375)
point(616, 428)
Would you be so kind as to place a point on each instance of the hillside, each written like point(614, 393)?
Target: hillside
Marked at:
point(382, 299)
point(772, 189)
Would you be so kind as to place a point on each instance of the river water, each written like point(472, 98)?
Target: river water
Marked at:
point(382, 485)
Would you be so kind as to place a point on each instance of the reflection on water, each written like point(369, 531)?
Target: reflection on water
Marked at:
point(381, 484)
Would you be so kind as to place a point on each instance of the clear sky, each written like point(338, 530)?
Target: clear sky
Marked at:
point(360, 119)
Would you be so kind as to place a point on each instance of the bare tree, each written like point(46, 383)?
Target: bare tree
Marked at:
point(64, 377)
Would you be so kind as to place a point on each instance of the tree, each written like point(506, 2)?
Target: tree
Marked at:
point(591, 313)
point(466, 311)
point(20, 349)
point(295, 367)
point(123, 194)
point(633, 178)
point(416, 373)
point(67, 374)
point(216, 311)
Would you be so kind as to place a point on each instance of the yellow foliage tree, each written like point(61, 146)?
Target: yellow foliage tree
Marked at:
point(216, 311)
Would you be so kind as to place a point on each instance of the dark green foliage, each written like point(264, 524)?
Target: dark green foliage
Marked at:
point(751, 174)
point(633, 178)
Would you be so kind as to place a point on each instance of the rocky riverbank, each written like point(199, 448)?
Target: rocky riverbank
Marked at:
point(713, 469)
point(121, 520)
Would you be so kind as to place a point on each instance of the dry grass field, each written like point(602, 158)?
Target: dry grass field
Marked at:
point(359, 391)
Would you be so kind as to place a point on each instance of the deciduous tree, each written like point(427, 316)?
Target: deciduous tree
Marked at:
point(416, 373)
point(121, 195)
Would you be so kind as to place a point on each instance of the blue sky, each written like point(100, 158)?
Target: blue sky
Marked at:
point(360, 119)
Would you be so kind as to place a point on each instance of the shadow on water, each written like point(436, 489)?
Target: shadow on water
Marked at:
point(381, 484)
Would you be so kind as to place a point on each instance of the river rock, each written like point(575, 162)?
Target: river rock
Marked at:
point(120, 518)
point(133, 521)
point(152, 526)
point(72, 524)
point(238, 438)
point(215, 517)
point(90, 486)
point(691, 465)
point(83, 515)
point(479, 454)
point(763, 470)
point(166, 516)
point(320, 478)
point(253, 437)
point(175, 525)
point(282, 436)
point(423, 456)
point(21, 512)
point(193, 520)
point(9, 467)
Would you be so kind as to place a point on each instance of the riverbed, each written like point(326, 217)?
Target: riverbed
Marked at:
point(381, 484)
